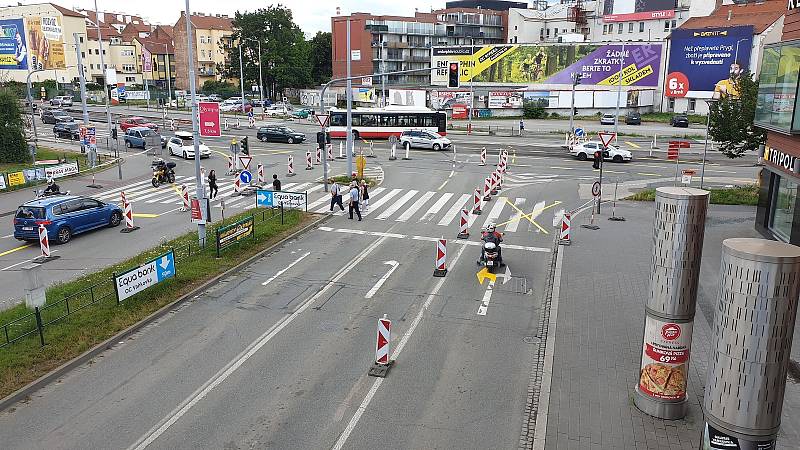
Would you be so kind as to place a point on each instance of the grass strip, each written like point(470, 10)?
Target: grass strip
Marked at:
point(345, 180)
point(739, 195)
point(43, 153)
point(24, 361)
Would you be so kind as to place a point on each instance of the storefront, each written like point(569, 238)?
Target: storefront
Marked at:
point(778, 214)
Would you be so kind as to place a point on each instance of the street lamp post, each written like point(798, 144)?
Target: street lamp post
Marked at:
point(82, 78)
point(241, 72)
point(33, 113)
point(199, 191)
point(619, 90)
point(471, 91)
point(261, 81)
point(106, 91)
point(705, 147)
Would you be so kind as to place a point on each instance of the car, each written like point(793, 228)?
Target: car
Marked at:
point(608, 119)
point(279, 133)
point(586, 151)
point(423, 139)
point(182, 144)
point(234, 107)
point(680, 120)
point(61, 100)
point(53, 116)
point(215, 98)
point(302, 113)
point(277, 110)
point(633, 118)
point(63, 217)
point(137, 122)
point(141, 137)
point(67, 130)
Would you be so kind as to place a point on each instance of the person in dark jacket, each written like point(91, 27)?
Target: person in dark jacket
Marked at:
point(212, 184)
point(365, 194)
point(276, 183)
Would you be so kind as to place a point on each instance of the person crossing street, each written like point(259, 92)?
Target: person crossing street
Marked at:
point(276, 183)
point(336, 196)
point(354, 198)
point(365, 194)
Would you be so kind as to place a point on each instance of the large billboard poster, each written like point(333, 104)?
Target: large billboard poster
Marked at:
point(446, 99)
point(13, 45)
point(45, 43)
point(626, 10)
point(407, 97)
point(551, 64)
point(704, 60)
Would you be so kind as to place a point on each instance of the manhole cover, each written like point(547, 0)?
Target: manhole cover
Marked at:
point(515, 285)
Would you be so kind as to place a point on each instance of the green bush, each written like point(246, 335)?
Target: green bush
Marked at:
point(13, 147)
point(532, 110)
point(555, 115)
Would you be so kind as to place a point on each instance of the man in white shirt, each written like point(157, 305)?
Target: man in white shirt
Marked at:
point(336, 196)
point(354, 198)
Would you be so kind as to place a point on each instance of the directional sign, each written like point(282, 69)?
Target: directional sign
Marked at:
point(596, 189)
point(245, 177)
point(579, 132)
point(209, 119)
point(269, 199)
point(148, 274)
point(322, 119)
point(606, 137)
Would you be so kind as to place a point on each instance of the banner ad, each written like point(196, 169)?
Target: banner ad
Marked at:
point(623, 11)
point(407, 97)
point(505, 99)
point(45, 43)
point(446, 99)
point(13, 45)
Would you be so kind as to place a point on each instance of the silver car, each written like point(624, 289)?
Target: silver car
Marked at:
point(608, 119)
point(423, 139)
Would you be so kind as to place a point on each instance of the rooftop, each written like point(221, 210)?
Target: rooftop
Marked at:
point(759, 15)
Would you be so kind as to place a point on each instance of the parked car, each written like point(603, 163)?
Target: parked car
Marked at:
point(182, 144)
point(423, 139)
point(141, 137)
point(279, 133)
point(53, 116)
point(302, 113)
point(137, 122)
point(633, 118)
point(679, 120)
point(277, 110)
point(586, 151)
point(67, 130)
point(227, 106)
point(61, 100)
point(63, 217)
point(608, 119)
point(215, 98)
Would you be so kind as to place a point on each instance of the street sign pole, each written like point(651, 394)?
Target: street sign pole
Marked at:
point(605, 139)
point(199, 188)
point(323, 122)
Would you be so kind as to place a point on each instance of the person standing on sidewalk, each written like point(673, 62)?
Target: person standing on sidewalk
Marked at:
point(276, 183)
point(354, 201)
point(212, 184)
point(336, 196)
point(521, 127)
point(365, 194)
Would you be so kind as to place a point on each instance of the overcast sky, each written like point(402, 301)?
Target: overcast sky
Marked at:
point(311, 15)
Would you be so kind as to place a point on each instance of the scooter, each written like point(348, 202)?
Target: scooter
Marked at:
point(163, 172)
point(490, 257)
point(44, 194)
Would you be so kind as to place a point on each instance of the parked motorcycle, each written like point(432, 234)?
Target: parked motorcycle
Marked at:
point(163, 172)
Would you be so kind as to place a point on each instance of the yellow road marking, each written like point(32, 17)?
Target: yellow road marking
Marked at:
point(142, 215)
point(15, 249)
point(484, 274)
point(633, 144)
point(528, 216)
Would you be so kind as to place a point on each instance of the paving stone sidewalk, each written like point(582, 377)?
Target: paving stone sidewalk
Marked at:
point(599, 336)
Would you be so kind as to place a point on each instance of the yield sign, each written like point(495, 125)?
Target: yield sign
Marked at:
point(245, 160)
point(606, 137)
point(322, 119)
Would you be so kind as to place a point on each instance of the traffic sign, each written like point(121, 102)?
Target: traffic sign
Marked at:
point(245, 160)
point(606, 137)
point(596, 189)
point(268, 199)
point(245, 177)
point(579, 132)
point(322, 119)
point(209, 119)
point(148, 274)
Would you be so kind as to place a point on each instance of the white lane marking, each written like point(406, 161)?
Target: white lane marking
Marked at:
point(442, 185)
point(383, 279)
point(436, 207)
point(8, 236)
point(378, 381)
point(454, 210)
point(23, 262)
point(511, 227)
point(487, 297)
point(381, 200)
point(246, 354)
point(397, 205)
point(281, 272)
point(115, 191)
point(415, 207)
point(495, 212)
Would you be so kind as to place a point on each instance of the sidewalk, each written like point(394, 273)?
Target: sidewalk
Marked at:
point(598, 337)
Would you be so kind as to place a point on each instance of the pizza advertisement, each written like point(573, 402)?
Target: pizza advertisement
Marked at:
point(665, 359)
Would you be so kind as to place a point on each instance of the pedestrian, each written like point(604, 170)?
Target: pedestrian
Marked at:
point(365, 195)
point(212, 184)
point(276, 183)
point(354, 201)
point(336, 196)
point(521, 127)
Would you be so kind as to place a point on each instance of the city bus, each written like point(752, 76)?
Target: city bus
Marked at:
point(377, 123)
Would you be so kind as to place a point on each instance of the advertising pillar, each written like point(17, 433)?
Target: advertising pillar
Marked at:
point(753, 324)
point(678, 230)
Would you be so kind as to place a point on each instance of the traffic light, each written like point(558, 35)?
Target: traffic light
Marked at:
point(114, 133)
point(245, 146)
point(321, 138)
point(452, 74)
point(597, 159)
point(576, 78)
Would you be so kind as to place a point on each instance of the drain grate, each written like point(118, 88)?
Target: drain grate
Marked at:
point(515, 285)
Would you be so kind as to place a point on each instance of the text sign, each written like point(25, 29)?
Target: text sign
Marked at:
point(235, 232)
point(268, 199)
point(61, 170)
point(209, 119)
point(148, 274)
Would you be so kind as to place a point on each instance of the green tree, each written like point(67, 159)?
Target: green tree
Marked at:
point(221, 88)
point(13, 148)
point(321, 63)
point(731, 121)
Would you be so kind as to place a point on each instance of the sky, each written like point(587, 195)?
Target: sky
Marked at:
point(310, 15)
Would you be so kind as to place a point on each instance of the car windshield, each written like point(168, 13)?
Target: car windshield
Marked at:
point(30, 212)
point(288, 130)
point(185, 140)
point(138, 120)
point(71, 126)
point(147, 132)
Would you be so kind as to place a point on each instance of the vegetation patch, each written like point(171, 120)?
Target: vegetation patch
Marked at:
point(739, 195)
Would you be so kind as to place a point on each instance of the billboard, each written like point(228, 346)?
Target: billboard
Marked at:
point(147, 60)
point(550, 64)
point(626, 10)
point(446, 99)
point(704, 60)
point(364, 95)
point(407, 97)
point(45, 43)
point(13, 45)
point(505, 99)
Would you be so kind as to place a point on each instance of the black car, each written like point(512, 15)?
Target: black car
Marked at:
point(679, 120)
point(54, 116)
point(279, 133)
point(633, 118)
point(67, 130)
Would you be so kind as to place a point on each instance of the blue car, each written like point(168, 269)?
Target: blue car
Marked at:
point(64, 216)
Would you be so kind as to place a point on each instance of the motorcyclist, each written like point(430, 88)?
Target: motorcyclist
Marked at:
point(490, 234)
point(52, 188)
point(159, 168)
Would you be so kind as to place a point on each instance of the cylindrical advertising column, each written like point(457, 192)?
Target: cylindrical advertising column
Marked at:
point(678, 230)
point(756, 308)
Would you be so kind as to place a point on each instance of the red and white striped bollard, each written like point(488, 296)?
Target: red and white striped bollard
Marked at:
point(476, 203)
point(463, 231)
point(384, 337)
point(290, 166)
point(483, 156)
point(44, 242)
point(441, 258)
point(129, 226)
point(487, 189)
point(309, 162)
point(566, 228)
point(318, 159)
point(185, 197)
point(261, 179)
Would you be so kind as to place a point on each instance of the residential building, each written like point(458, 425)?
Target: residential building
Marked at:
point(211, 37)
point(134, 30)
point(159, 57)
point(117, 54)
point(116, 20)
point(550, 24)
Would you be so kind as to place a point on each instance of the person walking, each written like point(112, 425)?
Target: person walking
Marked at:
point(276, 183)
point(521, 127)
point(354, 201)
point(336, 196)
point(365, 194)
point(212, 184)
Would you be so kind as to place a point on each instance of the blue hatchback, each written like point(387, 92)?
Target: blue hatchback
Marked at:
point(63, 217)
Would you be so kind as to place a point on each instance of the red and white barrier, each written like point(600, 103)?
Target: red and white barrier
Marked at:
point(329, 148)
point(494, 181)
point(124, 200)
point(463, 230)
point(185, 197)
point(476, 202)
point(237, 187)
point(563, 237)
point(44, 243)
point(483, 156)
point(384, 337)
point(487, 189)
point(290, 166)
point(441, 258)
point(318, 159)
point(129, 226)
point(230, 163)
point(309, 162)
point(261, 179)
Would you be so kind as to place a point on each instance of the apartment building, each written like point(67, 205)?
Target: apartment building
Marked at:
point(117, 55)
point(157, 60)
point(116, 20)
point(211, 37)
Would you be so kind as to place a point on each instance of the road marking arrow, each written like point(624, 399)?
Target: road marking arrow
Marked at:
point(383, 279)
point(484, 274)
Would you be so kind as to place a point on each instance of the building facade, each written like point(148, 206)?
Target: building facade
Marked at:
point(117, 55)
point(156, 61)
point(211, 40)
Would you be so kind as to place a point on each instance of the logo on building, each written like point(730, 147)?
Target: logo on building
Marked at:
point(780, 159)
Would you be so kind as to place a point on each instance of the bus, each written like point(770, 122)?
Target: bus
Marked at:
point(377, 123)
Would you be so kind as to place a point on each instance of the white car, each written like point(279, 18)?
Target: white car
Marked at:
point(586, 151)
point(423, 139)
point(277, 110)
point(182, 145)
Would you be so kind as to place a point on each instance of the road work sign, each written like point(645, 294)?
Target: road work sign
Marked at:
point(148, 274)
point(269, 199)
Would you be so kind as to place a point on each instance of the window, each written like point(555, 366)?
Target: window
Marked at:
point(515, 39)
point(674, 24)
point(515, 28)
point(630, 27)
point(555, 32)
point(692, 104)
point(81, 39)
point(97, 51)
point(605, 28)
point(641, 27)
point(666, 25)
point(203, 52)
point(548, 32)
point(130, 79)
point(777, 89)
point(619, 29)
point(671, 104)
point(83, 54)
point(785, 194)
point(91, 66)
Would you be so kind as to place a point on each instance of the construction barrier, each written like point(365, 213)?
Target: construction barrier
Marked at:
point(44, 243)
point(185, 197)
point(476, 206)
point(563, 237)
point(341, 151)
point(384, 337)
point(129, 226)
point(487, 189)
point(463, 230)
point(318, 159)
point(483, 156)
point(441, 257)
point(261, 179)
point(309, 162)
point(494, 182)
point(237, 187)
point(290, 166)
point(329, 148)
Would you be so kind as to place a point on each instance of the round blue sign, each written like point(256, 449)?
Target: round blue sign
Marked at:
point(578, 131)
point(245, 177)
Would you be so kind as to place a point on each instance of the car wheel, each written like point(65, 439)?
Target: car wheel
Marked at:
point(115, 219)
point(289, 140)
point(128, 144)
point(64, 235)
point(617, 159)
point(171, 178)
point(185, 156)
point(437, 147)
point(582, 156)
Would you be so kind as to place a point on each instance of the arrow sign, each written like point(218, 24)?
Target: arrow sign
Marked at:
point(383, 279)
point(245, 177)
point(209, 124)
point(484, 274)
point(578, 131)
point(606, 137)
point(164, 262)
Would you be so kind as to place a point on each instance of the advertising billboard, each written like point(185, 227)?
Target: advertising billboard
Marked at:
point(704, 60)
point(364, 95)
point(550, 64)
point(147, 60)
point(505, 99)
point(13, 45)
point(446, 99)
point(407, 97)
point(45, 43)
point(625, 10)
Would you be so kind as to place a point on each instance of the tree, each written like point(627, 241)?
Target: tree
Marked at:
point(731, 121)
point(321, 63)
point(13, 148)
point(221, 88)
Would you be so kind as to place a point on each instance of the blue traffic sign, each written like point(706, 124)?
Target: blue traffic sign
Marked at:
point(166, 266)
point(148, 274)
point(269, 199)
point(245, 177)
point(579, 132)
point(264, 199)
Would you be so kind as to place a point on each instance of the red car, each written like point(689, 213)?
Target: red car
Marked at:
point(137, 122)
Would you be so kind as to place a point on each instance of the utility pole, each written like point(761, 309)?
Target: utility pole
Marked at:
point(383, 69)
point(201, 226)
point(576, 80)
point(261, 81)
point(83, 80)
point(105, 84)
point(471, 74)
point(349, 141)
point(30, 103)
point(619, 92)
point(241, 71)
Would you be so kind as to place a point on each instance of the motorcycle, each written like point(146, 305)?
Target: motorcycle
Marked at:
point(163, 172)
point(44, 194)
point(490, 254)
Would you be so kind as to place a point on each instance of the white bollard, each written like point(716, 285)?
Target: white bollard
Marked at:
point(392, 154)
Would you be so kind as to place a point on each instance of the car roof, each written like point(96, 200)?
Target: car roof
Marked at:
point(184, 134)
point(47, 201)
point(135, 117)
point(139, 129)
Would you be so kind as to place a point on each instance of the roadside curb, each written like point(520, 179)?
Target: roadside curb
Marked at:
point(65, 368)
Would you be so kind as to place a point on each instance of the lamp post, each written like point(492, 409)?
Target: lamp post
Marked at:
point(471, 91)
point(619, 90)
point(199, 191)
point(736, 55)
point(576, 80)
point(710, 101)
point(168, 73)
point(30, 103)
